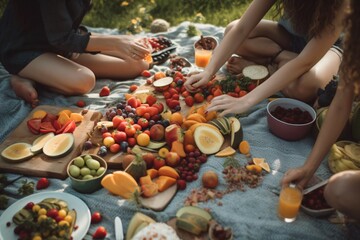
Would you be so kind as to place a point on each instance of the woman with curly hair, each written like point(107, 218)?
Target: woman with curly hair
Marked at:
point(304, 44)
point(42, 42)
point(343, 189)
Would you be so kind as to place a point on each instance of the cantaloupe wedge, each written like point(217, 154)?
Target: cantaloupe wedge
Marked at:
point(164, 182)
point(120, 183)
point(168, 171)
point(76, 117)
point(152, 172)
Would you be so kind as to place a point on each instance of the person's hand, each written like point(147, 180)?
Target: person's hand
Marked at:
point(196, 81)
point(300, 176)
point(225, 104)
point(132, 47)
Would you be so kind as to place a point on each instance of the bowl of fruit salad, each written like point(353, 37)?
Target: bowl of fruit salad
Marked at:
point(86, 172)
point(290, 119)
point(314, 202)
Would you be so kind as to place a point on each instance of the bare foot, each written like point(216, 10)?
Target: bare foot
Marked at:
point(24, 88)
point(236, 64)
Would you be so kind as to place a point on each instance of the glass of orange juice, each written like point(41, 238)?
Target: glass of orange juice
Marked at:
point(202, 57)
point(289, 202)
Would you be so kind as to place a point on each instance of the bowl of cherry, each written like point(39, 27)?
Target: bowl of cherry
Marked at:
point(290, 119)
point(314, 202)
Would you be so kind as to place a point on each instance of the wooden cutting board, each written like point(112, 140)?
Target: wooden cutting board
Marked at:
point(41, 165)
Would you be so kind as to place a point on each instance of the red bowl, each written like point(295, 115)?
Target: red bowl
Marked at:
point(289, 131)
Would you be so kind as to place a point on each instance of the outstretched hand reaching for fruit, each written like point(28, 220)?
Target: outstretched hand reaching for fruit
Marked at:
point(225, 104)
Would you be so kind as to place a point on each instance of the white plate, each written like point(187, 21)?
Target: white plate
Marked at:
point(83, 216)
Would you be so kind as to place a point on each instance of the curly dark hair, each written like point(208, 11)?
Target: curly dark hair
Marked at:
point(308, 17)
point(350, 66)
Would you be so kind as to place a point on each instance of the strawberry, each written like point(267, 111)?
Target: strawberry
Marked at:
point(105, 91)
point(42, 183)
point(100, 233)
point(80, 103)
point(96, 217)
point(151, 99)
point(173, 103)
point(146, 73)
point(251, 87)
point(199, 97)
point(189, 101)
point(133, 88)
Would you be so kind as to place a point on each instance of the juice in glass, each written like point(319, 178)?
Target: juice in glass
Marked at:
point(289, 203)
point(202, 57)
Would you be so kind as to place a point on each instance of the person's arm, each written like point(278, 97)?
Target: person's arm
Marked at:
point(315, 49)
point(238, 34)
point(61, 34)
point(334, 123)
point(231, 42)
point(59, 29)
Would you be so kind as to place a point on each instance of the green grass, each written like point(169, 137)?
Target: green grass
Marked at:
point(136, 15)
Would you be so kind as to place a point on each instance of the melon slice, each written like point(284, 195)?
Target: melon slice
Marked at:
point(208, 140)
point(17, 152)
point(255, 72)
point(59, 145)
point(163, 82)
point(194, 210)
point(39, 142)
point(228, 151)
point(236, 132)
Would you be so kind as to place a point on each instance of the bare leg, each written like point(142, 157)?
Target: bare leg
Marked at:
point(24, 88)
point(343, 193)
point(305, 88)
point(59, 74)
point(265, 41)
point(110, 65)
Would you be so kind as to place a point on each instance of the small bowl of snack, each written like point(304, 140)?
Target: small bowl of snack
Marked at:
point(290, 119)
point(206, 43)
point(86, 172)
point(314, 203)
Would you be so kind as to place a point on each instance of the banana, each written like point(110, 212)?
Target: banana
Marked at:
point(335, 152)
point(340, 166)
point(350, 165)
point(353, 151)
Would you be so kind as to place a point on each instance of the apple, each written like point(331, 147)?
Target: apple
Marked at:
point(173, 132)
point(172, 159)
point(157, 132)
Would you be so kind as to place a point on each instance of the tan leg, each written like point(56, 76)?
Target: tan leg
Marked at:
point(343, 193)
point(305, 88)
point(111, 66)
point(60, 74)
point(265, 41)
point(24, 88)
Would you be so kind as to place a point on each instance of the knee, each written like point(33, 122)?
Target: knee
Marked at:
point(137, 68)
point(83, 82)
point(337, 190)
point(230, 26)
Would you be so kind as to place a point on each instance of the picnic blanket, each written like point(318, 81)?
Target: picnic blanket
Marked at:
point(251, 213)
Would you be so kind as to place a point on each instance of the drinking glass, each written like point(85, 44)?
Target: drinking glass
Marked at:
point(289, 202)
point(202, 57)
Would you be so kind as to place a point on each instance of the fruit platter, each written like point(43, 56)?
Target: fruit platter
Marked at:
point(48, 214)
point(46, 140)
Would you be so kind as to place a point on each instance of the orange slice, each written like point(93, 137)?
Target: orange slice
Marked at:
point(258, 161)
point(228, 151)
point(265, 166)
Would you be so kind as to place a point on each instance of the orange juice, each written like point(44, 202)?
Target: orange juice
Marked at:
point(289, 203)
point(202, 57)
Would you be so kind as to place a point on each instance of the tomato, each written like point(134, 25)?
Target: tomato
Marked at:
point(143, 122)
point(133, 88)
point(130, 131)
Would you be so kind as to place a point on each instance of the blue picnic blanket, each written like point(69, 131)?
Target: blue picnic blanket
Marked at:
point(251, 213)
